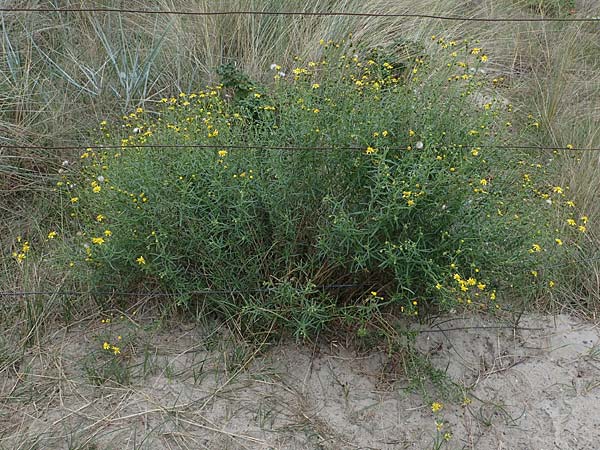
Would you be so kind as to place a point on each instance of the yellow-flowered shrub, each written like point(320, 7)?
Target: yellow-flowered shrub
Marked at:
point(359, 168)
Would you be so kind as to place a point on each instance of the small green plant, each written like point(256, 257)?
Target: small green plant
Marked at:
point(109, 362)
point(387, 188)
point(443, 434)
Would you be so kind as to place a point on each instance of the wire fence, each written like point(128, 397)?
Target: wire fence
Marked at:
point(201, 292)
point(457, 147)
point(206, 292)
point(302, 13)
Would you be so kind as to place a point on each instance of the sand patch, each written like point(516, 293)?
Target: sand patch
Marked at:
point(534, 387)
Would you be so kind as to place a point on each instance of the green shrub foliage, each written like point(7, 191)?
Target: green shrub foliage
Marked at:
point(359, 168)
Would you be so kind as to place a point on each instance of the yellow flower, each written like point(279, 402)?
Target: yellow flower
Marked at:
point(107, 233)
point(557, 189)
point(116, 350)
point(535, 248)
point(411, 133)
point(106, 346)
point(558, 241)
point(52, 235)
point(436, 406)
point(316, 86)
point(438, 286)
point(484, 58)
point(374, 293)
point(96, 189)
point(140, 260)
point(98, 240)
point(582, 228)
point(222, 153)
point(481, 286)
point(100, 218)
point(551, 283)
point(74, 199)
point(19, 257)
point(476, 51)
point(370, 150)
point(483, 182)
point(584, 219)
point(410, 203)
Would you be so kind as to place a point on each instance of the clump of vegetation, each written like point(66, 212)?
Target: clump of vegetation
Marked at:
point(551, 7)
point(346, 170)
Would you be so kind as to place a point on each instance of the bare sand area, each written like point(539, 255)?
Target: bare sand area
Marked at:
point(536, 387)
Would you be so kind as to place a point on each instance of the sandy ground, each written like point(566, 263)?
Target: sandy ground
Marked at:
point(536, 387)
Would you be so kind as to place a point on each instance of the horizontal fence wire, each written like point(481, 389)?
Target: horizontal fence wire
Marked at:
point(303, 13)
point(208, 292)
point(201, 292)
point(455, 147)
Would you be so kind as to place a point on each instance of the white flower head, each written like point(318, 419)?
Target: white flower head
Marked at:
point(65, 163)
point(136, 130)
point(101, 179)
point(273, 66)
point(281, 74)
point(419, 145)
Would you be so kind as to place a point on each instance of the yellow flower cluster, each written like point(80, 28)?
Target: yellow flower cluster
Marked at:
point(21, 254)
point(111, 348)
